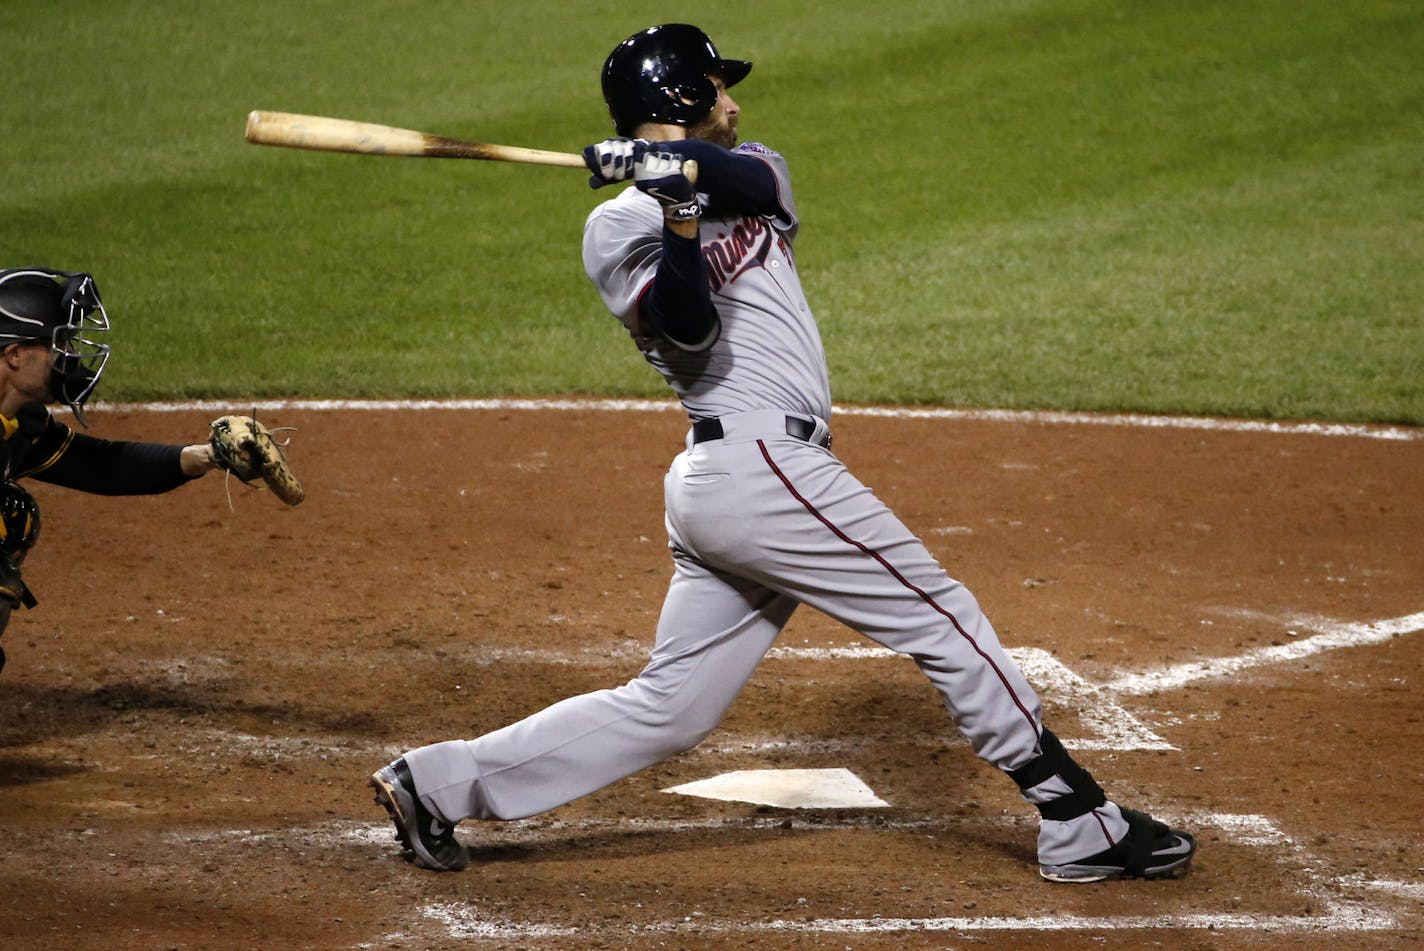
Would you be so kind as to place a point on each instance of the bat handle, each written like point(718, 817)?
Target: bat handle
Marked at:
point(689, 171)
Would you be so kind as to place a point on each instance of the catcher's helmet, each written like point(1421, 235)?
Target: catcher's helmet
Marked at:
point(664, 74)
point(63, 309)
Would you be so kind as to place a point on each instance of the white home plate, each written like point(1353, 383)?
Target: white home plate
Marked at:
point(787, 788)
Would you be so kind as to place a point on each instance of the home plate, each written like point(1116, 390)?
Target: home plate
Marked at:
point(787, 788)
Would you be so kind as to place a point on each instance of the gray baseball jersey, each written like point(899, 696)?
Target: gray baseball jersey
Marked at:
point(761, 517)
point(770, 354)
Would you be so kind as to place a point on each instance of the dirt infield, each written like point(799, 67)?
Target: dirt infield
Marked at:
point(1226, 625)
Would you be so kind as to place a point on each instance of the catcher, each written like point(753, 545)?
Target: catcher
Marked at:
point(51, 325)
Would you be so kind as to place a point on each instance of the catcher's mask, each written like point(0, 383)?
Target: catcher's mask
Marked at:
point(63, 309)
point(664, 74)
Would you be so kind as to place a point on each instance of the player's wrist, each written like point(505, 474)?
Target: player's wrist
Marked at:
point(196, 460)
point(686, 228)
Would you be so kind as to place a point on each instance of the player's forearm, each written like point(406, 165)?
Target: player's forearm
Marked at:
point(107, 467)
point(678, 304)
point(740, 182)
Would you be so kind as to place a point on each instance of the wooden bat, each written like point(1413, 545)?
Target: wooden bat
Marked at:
point(326, 134)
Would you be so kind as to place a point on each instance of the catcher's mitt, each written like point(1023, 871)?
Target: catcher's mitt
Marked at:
point(243, 446)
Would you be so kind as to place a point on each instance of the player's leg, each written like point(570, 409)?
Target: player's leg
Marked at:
point(805, 526)
point(839, 549)
point(712, 633)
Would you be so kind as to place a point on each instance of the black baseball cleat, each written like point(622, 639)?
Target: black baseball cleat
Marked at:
point(1149, 850)
point(430, 842)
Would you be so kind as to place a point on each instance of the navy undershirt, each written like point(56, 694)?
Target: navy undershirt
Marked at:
point(678, 305)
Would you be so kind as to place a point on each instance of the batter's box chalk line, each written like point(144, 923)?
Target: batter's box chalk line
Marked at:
point(1109, 725)
point(1330, 635)
point(1299, 870)
point(1114, 728)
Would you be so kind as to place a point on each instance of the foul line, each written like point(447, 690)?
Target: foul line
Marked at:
point(1038, 417)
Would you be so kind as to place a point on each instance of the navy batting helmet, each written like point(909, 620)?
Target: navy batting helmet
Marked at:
point(664, 74)
point(61, 308)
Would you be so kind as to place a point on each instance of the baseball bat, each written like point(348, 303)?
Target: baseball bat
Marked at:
point(326, 134)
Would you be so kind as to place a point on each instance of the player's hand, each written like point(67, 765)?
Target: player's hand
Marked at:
point(612, 160)
point(668, 177)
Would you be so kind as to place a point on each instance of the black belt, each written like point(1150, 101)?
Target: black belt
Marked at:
point(705, 430)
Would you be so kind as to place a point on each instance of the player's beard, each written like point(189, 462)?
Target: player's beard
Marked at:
point(717, 128)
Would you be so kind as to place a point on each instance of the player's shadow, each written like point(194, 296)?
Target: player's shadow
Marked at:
point(555, 844)
point(20, 770)
point(562, 846)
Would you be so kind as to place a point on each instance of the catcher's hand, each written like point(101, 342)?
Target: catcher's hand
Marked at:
point(243, 446)
point(670, 179)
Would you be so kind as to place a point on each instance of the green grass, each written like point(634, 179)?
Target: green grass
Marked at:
point(1207, 207)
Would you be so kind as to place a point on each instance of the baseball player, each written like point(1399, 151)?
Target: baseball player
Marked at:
point(761, 515)
point(51, 325)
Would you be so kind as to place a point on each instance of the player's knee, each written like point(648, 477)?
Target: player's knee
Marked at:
point(677, 734)
point(679, 727)
point(673, 708)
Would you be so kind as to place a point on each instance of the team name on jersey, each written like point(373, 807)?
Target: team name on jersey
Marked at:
point(729, 255)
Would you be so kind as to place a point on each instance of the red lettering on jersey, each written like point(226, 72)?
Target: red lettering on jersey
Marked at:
point(729, 256)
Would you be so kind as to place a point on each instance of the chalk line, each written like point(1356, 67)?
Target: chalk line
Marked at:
point(1334, 635)
point(1296, 868)
point(1045, 417)
point(1339, 915)
point(1114, 726)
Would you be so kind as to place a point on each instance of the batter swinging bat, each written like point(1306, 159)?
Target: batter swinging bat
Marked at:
point(326, 134)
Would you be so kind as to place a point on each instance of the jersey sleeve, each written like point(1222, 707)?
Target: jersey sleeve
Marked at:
point(61, 456)
point(786, 222)
point(622, 244)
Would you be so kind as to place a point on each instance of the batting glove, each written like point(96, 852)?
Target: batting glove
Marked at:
point(661, 174)
point(612, 160)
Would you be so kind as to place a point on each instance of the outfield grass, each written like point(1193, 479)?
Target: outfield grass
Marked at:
point(1207, 207)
